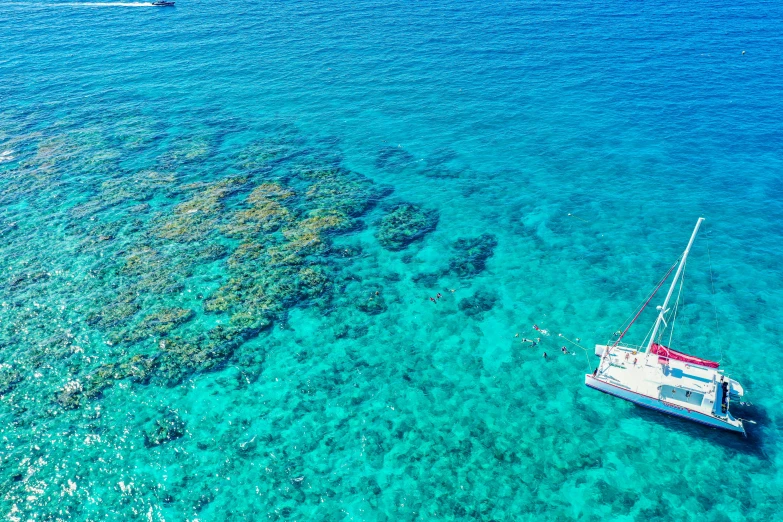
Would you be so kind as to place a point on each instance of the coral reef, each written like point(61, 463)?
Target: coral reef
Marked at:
point(403, 224)
point(341, 190)
point(252, 244)
point(197, 217)
point(121, 309)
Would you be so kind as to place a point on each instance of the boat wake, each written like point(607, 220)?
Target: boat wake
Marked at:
point(86, 4)
point(108, 4)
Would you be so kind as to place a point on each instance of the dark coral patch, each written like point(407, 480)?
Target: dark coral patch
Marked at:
point(404, 224)
point(373, 305)
point(472, 254)
point(169, 427)
point(394, 159)
point(479, 303)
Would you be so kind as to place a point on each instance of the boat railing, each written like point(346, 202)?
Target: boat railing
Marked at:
point(626, 346)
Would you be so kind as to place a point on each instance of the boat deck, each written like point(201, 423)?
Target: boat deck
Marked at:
point(676, 382)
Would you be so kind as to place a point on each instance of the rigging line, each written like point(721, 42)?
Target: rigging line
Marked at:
point(660, 283)
point(714, 306)
point(676, 308)
point(636, 310)
point(629, 320)
point(646, 303)
point(578, 346)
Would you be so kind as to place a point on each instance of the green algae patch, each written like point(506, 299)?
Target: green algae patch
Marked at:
point(404, 224)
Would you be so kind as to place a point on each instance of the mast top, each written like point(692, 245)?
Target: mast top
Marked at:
point(673, 285)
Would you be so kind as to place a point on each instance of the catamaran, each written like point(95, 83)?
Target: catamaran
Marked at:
point(657, 377)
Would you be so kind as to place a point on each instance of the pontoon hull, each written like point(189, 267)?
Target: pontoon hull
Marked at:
point(659, 405)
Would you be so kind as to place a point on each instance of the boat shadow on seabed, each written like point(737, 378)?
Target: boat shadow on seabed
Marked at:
point(753, 444)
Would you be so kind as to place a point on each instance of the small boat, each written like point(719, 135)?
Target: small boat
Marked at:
point(655, 376)
point(163, 3)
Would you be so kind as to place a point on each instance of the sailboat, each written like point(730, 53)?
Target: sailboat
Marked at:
point(655, 376)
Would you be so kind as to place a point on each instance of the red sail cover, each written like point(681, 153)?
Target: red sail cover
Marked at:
point(663, 351)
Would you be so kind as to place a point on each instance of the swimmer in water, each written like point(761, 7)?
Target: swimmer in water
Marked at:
point(545, 356)
point(439, 296)
point(564, 350)
point(433, 299)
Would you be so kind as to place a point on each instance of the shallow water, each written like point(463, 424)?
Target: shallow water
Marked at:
point(221, 229)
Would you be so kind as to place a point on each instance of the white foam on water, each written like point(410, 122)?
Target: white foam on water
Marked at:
point(107, 4)
point(85, 4)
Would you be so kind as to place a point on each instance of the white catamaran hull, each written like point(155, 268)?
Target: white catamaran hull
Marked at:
point(659, 405)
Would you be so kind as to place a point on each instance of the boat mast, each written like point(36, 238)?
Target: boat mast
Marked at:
point(674, 284)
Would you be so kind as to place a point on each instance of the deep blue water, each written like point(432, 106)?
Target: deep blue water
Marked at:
point(221, 225)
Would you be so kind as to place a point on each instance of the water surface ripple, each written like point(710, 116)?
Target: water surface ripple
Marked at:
point(221, 226)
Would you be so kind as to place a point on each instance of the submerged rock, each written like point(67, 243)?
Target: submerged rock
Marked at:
point(404, 224)
point(472, 254)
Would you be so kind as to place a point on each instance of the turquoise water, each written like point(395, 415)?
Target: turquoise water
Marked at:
point(222, 223)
